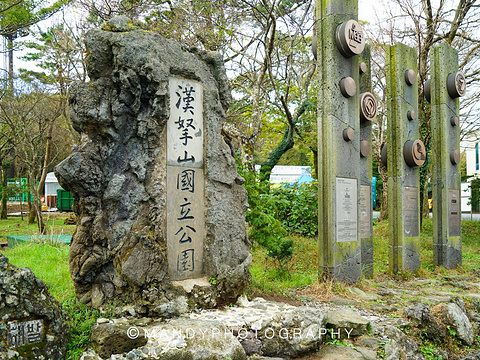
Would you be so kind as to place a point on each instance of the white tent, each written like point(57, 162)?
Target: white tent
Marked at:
point(51, 187)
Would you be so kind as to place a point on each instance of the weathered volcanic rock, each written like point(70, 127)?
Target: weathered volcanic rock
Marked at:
point(32, 323)
point(118, 176)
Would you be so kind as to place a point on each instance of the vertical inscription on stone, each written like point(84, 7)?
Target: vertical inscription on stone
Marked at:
point(185, 180)
point(410, 211)
point(365, 203)
point(454, 223)
point(24, 333)
point(346, 210)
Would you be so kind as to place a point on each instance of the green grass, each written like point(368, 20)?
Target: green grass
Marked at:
point(302, 270)
point(49, 262)
point(17, 226)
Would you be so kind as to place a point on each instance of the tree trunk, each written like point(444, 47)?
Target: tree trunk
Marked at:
point(43, 176)
point(10, 38)
point(3, 210)
point(32, 215)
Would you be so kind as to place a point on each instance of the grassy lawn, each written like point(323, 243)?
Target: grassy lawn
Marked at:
point(302, 270)
point(17, 226)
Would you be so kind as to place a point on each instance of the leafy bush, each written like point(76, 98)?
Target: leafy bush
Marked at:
point(296, 206)
point(264, 228)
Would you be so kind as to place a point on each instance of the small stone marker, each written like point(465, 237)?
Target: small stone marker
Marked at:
point(447, 84)
point(339, 138)
point(24, 333)
point(405, 154)
point(32, 323)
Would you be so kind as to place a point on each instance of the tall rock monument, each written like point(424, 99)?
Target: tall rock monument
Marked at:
point(159, 202)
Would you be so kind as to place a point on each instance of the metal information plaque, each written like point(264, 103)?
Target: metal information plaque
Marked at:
point(410, 212)
point(454, 215)
point(346, 210)
point(365, 213)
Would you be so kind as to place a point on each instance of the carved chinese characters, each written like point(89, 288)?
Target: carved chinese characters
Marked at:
point(24, 333)
point(350, 38)
point(185, 180)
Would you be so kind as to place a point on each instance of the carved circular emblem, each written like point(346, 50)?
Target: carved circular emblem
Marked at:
point(456, 85)
point(368, 106)
point(455, 157)
point(414, 153)
point(350, 38)
point(348, 87)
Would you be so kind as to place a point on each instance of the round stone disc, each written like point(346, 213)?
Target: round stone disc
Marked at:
point(348, 87)
point(350, 38)
point(414, 153)
point(456, 85)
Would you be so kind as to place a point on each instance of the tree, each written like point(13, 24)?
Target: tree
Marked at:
point(29, 118)
point(273, 70)
point(16, 16)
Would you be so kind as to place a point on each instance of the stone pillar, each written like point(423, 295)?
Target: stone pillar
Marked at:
point(447, 84)
point(405, 154)
point(160, 204)
point(340, 40)
point(368, 113)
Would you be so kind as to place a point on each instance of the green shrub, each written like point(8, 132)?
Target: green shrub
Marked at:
point(296, 206)
point(264, 228)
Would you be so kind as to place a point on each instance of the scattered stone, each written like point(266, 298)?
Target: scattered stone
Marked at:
point(32, 323)
point(368, 342)
point(176, 339)
point(421, 317)
point(441, 354)
point(347, 323)
point(472, 356)
point(401, 346)
point(364, 296)
point(337, 352)
point(437, 299)
point(109, 338)
point(388, 292)
point(452, 315)
point(344, 302)
point(460, 284)
point(397, 322)
point(383, 308)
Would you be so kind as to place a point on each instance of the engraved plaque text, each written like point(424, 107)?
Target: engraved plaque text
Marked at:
point(410, 212)
point(21, 333)
point(346, 210)
point(365, 212)
point(454, 213)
